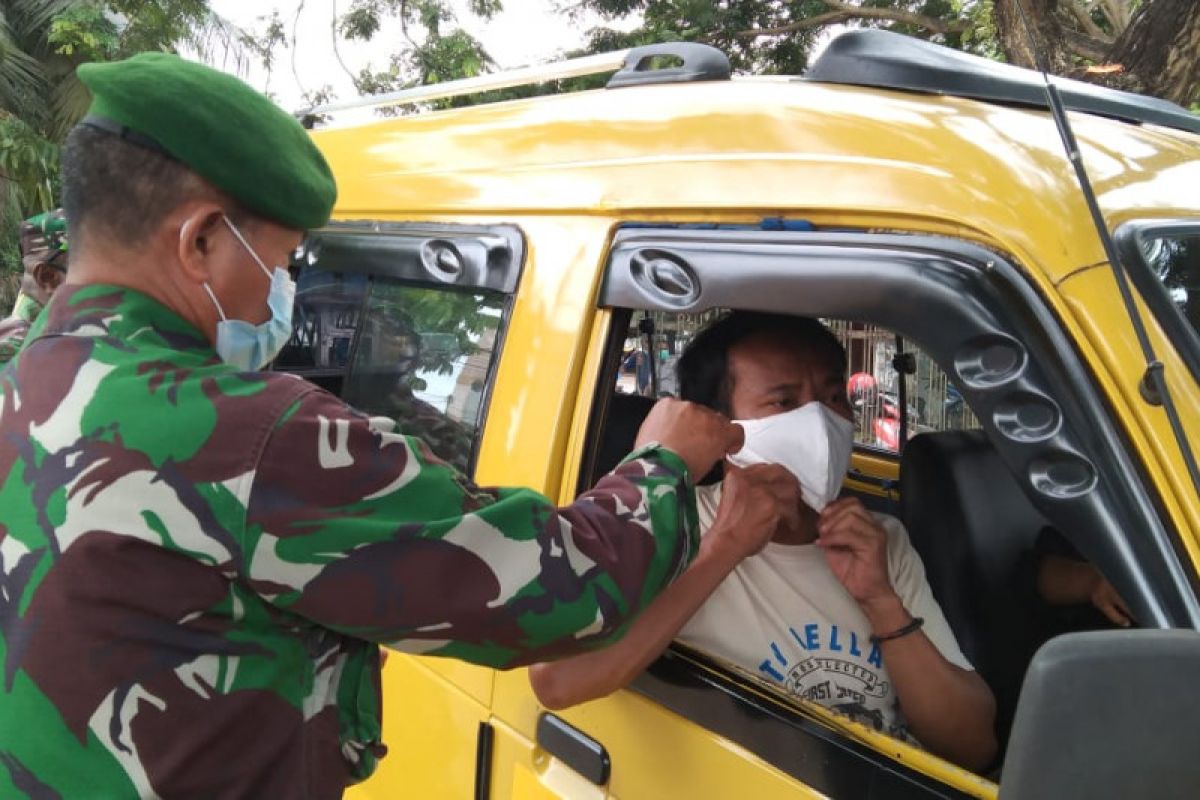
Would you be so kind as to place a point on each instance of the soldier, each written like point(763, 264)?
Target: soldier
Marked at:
point(44, 256)
point(198, 560)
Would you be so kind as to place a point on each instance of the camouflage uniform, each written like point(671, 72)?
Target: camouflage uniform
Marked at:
point(14, 329)
point(196, 564)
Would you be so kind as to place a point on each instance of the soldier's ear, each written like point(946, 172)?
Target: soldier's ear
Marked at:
point(48, 278)
point(199, 233)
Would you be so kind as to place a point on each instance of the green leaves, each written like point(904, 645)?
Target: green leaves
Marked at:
point(445, 58)
point(771, 36)
point(41, 43)
point(28, 160)
point(25, 156)
point(361, 21)
point(84, 31)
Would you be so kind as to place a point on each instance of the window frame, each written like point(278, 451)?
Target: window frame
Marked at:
point(781, 733)
point(950, 298)
point(987, 296)
point(1129, 239)
point(493, 259)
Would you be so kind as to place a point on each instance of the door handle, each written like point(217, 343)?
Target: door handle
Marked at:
point(574, 748)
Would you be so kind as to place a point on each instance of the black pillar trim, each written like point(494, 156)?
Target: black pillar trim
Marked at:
point(483, 761)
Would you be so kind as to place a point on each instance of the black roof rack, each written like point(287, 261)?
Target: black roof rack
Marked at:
point(888, 60)
point(698, 62)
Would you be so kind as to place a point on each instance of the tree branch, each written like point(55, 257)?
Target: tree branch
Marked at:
point(844, 12)
point(295, 26)
point(404, 23)
point(1118, 13)
point(1090, 47)
point(1082, 13)
point(333, 33)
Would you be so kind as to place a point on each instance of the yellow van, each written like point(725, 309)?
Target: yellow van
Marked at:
point(514, 279)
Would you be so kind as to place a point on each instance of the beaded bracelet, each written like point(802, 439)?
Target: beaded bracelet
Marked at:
point(915, 625)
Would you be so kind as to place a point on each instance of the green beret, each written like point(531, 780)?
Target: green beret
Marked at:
point(223, 130)
point(44, 240)
point(49, 222)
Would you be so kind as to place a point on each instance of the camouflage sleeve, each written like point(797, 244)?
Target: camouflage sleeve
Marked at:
point(12, 336)
point(360, 529)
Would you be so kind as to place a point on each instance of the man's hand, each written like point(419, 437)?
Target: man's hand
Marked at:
point(1064, 581)
point(755, 502)
point(856, 550)
point(698, 435)
point(1105, 598)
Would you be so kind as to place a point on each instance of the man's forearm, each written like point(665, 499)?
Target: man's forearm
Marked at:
point(574, 680)
point(1063, 581)
point(949, 709)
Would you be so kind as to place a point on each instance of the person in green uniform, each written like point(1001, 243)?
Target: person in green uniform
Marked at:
point(199, 560)
point(44, 257)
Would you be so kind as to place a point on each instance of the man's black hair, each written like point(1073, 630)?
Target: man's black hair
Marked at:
point(703, 369)
point(122, 191)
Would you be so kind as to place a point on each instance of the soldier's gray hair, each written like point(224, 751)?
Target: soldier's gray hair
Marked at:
point(123, 192)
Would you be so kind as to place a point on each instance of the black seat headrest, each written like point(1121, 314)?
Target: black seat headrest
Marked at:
point(626, 412)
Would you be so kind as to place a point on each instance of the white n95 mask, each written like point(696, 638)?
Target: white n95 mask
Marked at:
point(813, 442)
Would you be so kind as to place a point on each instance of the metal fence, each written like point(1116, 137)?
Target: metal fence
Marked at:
point(933, 403)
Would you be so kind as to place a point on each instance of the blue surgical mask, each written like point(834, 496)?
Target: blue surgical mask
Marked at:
point(250, 347)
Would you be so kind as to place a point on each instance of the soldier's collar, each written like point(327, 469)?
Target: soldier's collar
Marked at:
point(120, 313)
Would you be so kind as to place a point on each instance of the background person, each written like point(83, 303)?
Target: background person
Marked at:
point(44, 257)
point(1083, 598)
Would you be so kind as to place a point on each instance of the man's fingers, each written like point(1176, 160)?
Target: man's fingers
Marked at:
point(852, 517)
point(843, 503)
point(845, 508)
point(769, 473)
point(735, 437)
point(775, 479)
point(790, 514)
point(1117, 608)
point(1110, 610)
point(848, 538)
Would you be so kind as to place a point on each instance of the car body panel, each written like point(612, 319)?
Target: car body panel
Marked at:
point(773, 146)
point(430, 735)
point(1148, 429)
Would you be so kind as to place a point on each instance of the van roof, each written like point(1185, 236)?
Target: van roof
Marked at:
point(783, 147)
point(871, 57)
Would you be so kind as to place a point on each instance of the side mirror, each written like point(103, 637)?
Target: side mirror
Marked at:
point(1108, 714)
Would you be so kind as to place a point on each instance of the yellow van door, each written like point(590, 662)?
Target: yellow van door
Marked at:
point(625, 746)
point(651, 752)
point(431, 725)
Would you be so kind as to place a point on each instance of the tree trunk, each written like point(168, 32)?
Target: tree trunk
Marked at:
point(1157, 54)
point(1044, 38)
point(1160, 51)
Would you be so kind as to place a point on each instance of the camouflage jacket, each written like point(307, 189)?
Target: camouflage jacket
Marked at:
point(197, 565)
point(14, 329)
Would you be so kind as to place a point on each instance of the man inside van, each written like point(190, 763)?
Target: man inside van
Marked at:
point(835, 607)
